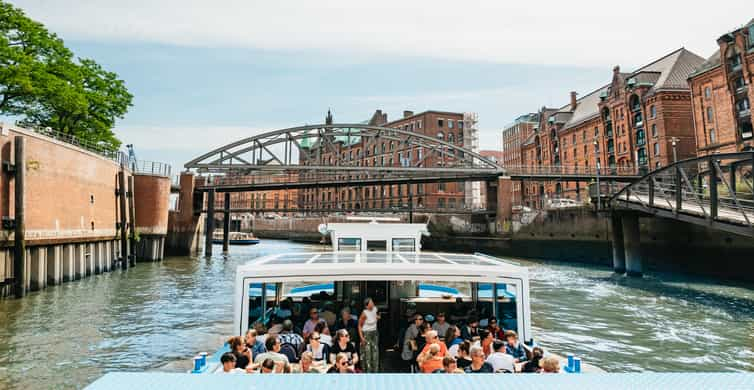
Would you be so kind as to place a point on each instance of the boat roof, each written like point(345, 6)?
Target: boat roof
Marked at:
point(644, 380)
point(385, 264)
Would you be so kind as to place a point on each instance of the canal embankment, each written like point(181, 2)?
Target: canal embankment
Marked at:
point(70, 210)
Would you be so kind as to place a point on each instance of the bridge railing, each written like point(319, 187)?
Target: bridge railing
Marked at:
point(713, 187)
point(155, 168)
point(570, 170)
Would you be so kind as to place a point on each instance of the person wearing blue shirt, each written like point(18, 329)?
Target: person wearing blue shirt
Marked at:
point(254, 344)
point(514, 347)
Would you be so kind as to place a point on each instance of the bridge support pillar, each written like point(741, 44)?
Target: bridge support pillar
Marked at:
point(619, 254)
point(504, 201)
point(226, 222)
point(632, 245)
point(210, 222)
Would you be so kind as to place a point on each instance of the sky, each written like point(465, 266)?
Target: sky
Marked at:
point(204, 74)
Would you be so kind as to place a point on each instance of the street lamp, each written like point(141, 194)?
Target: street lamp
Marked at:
point(674, 142)
point(597, 158)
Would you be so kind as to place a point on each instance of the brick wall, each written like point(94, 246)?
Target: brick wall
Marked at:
point(151, 197)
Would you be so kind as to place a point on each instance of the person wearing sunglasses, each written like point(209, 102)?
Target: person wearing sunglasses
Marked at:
point(409, 339)
point(343, 345)
point(319, 350)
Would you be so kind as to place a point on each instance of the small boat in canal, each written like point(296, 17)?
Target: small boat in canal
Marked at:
point(235, 238)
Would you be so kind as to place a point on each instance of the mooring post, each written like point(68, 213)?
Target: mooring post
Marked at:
point(226, 223)
point(132, 221)
point(410, 204)
point(619, 255)
point(123, 222)
point(19, 247)
point(210, 225)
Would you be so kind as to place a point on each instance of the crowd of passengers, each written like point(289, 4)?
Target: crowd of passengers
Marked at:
point(348, 343)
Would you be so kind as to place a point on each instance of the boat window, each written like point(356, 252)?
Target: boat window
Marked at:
point(404, 245)
point(506, 310)
point(259, 309)
point(376, 245)
point(349, 244)
point(307, 289)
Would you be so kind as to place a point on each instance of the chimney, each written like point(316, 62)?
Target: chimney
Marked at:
point(573, 100)
point(616, 69)
point(328, 118)
point(407, 113)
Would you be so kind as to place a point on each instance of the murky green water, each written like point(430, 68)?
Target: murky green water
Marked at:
point(156, 316)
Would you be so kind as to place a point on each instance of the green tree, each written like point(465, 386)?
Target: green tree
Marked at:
point(41, 83)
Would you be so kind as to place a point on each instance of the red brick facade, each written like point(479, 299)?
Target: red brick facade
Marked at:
point(722, 93)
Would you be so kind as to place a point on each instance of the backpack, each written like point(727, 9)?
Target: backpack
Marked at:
point(290, 352)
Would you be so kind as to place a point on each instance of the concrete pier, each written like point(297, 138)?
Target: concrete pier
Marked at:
point(54, 265)
point(69, 269)
point(619, 255)
point(632, 244)
point(38, 269)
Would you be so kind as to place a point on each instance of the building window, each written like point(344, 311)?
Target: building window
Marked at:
point(707, 92)
point(652, 112)
point(583, 135)
point(657, 149)
point(451, 138)
point(654, 130)
point(574, 138)
point(460, 125)
point(709, 114)
point(440, 123)
point(419, 124)
point(712, 138)
point(751, 36)
point(596, 132)
point(440, 135)
point(450, 123)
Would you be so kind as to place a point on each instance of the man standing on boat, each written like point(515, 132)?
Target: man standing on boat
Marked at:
point(370, 341)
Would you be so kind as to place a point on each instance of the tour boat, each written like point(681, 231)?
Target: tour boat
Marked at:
point(383, 261)
point(235, 238)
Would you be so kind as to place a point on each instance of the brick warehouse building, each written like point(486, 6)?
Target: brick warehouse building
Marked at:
point(629, 122)
point(452, 127)
point(513, 137)
point(722, 94)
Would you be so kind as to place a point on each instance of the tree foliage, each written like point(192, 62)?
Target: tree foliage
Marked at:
point(42, 83)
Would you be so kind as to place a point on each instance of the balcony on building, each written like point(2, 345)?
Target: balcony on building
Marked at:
point(743, 108)
point(740, 88)
point(734, 64)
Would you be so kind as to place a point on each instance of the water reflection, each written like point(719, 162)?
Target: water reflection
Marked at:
point(156, 316)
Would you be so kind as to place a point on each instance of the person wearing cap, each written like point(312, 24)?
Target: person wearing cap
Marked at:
point(441, 326)
point(499, 360)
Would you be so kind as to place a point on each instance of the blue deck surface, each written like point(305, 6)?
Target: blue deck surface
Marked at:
point(686, 381)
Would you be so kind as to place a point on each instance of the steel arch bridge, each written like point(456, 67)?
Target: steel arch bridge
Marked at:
point(715, 191)
point(340, 152)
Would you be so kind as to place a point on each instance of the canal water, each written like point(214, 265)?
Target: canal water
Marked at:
point(156, 316)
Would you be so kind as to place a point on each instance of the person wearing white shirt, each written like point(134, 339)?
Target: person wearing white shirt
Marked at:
point(499, 360)
point(228, 361)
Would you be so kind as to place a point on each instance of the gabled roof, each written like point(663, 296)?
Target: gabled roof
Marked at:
point(586, 108)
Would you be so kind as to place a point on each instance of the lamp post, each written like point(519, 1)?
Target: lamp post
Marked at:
point(674, 142)
point(597, 159)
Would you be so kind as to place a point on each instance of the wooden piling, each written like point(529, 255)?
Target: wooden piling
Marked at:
point(210, 226)
point(226, 223)
point(123, 222)
point(132, 221)
point(19, 247)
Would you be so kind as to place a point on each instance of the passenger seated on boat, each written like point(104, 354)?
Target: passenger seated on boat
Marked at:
point(485, 341)
point(478, 365)
point(328, 314)
point(228, 361)
point(319, 350)
point(324, 333)
point(287, 336)
point(550, 365)
point(432, 338)
point(272, 344)
point(514, 347)
point(307, 364)
point(499, 360)
point(347, 322)
point(463, 359)
point(343, 345)
point(449, 366)
point(409, 338)
point(239, 350)
point(452, 339)
point(254, 344)
point(271, 366)
point(311, 322)
point(470, 331)
point(441, 326)
point(342, 365)
point(459, 314)
point(533, 365)
point(495, 329)
point(431, 360)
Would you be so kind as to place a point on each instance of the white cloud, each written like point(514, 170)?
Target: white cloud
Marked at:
point(588, 32)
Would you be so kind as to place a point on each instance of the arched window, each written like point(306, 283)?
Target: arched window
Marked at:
point(440, 135)
point(634, 103)
point(652, 111)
